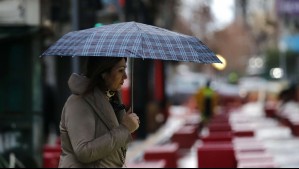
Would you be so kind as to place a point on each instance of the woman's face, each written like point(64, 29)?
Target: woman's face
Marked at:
point(115, 79)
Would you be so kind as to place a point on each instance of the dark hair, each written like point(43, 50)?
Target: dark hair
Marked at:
point(95, 67)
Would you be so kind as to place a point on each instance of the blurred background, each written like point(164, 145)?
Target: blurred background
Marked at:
point(258, 42)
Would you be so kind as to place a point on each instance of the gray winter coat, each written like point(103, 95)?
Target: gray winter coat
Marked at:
point(91, 133)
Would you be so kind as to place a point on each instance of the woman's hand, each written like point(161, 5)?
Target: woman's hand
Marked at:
point(131, 121)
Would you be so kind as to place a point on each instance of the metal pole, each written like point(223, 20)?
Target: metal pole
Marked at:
point(75, 26)
point(132, 83)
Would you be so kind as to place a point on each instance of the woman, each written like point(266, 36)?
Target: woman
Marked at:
point(95, 129)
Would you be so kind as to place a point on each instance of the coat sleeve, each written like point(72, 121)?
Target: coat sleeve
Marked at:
point(80, 123)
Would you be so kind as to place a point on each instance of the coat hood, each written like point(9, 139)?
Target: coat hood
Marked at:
point(78, 83)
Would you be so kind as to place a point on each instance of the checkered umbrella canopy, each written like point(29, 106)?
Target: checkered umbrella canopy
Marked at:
point(133, 40)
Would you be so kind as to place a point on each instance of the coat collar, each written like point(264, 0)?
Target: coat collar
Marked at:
point(97, 100)
point(102, 108)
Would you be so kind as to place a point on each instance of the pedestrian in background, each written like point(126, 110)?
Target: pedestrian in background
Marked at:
point(206, 99)
point(95, 128)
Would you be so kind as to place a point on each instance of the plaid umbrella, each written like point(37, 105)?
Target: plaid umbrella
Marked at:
point(133, 40)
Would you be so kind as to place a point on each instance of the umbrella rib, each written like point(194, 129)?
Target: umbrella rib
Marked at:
point(88, 43)
point(160, 48)
point(183, 53)
point(123, 45)
point(141, 41)
point(114, 39)
point(192, 51)
point(205, 51)
point(101, 40)
point(172, 51)
point(144, 37)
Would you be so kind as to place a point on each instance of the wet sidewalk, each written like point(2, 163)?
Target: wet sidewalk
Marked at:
point(272, 145)
point(179, 115)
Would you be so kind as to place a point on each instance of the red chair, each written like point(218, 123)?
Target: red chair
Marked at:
point(222, 118)
point(215, 127)
point(167, 152)
point(50, 160)
point(185, 137)
point(285, 121)
point(52, 148)
point(270, 111)
point(51, 156)
point(243, 133)
point(217, 137)
point(295, 129)
point(216, 155)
